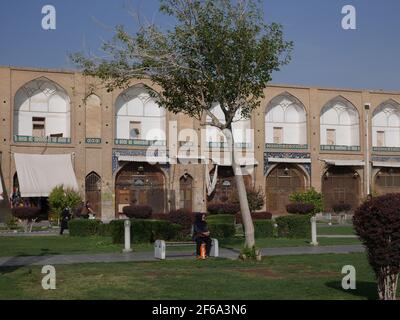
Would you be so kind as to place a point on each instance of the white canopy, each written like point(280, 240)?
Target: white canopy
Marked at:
point(389, 164)
point(289, 160)
point(152, 159)
point(343, 163)
point(38, 174)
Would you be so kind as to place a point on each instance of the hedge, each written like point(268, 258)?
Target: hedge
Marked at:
point(223, 208)
point(263, 215)
point(221, 230)
point(294, 226)
point(263, 228)
point(146, 231)
point(84, 227)
point(221, 218)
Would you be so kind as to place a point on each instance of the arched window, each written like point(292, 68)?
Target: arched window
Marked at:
point(93, 192)
point(186, 193)
point(93, 117)
point(138, 116)
point(285, 121)
point(240, 129)
point(339, 125)
point(386, 125)
point(41, 109)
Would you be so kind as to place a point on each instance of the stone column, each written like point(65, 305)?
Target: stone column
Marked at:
point(314, 241)
point(127, 225)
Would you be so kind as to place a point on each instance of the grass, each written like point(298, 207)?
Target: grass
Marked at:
point(336, 230)
point(288, 277)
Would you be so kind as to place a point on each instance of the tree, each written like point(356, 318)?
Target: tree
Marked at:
point(218, 53)
point(60, 199)
point(28, 215)
point(377, 223)
point(311, 196)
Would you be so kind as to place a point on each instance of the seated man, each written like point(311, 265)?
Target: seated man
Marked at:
point(201, 234)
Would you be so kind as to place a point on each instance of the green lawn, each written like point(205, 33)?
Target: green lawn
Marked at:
point(289, 277)
point(335, 229)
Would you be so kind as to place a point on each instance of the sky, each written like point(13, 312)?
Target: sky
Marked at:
point(325, 54)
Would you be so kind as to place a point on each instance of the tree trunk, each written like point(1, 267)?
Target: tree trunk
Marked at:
point(387, 284)
point(241, 188)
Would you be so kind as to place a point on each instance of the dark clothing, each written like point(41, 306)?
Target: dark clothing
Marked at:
point(65, 217)
point(200, 226)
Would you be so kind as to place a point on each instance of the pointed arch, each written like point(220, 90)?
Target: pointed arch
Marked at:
point(386, 125)
point(93, 186)
point(186, 192)
point(93, 116)
point(41, 108)
point(285, 120)
point(339, 123)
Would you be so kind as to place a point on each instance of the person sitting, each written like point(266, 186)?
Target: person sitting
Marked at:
point(201, 234)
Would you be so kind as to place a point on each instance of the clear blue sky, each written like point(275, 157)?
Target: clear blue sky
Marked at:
point(325, 54)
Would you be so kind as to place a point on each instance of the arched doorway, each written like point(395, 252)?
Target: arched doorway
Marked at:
point(341, 185)
point(93, 192)
point(387, 180)
point(281, 182)
point(186, 193)
point(142, 184)
point(225, 189)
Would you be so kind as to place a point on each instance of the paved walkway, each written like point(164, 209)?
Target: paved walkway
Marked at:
point(149, 256)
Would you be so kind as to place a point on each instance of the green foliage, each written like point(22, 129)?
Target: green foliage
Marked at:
point(221, 230)
point(311, 196)
point(12, 222)
point(146, 231)
point(61, 198)
point(264, 228)
point(250, 254)
point(221, 218)
point(84, 227)
point(294, 226)
point(255, 198)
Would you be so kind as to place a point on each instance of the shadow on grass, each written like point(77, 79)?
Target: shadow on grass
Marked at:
point(363, 289)
point(21, 261)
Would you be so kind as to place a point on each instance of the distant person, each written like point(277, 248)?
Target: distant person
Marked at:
point(65, 217)
point(89, 210)
point(201, 234)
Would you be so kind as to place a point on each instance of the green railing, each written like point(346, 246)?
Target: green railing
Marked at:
point(286, 146)
point(222, 145)
point(325, 147)
point(53, 140)
point(386, 149)
point(139, 142)
point(93, 140)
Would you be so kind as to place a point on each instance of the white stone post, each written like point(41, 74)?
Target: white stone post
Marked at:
point(127, 225)
point(314, 241)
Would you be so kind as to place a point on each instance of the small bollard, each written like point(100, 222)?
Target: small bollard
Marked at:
point(314, 241)
point(127, 225)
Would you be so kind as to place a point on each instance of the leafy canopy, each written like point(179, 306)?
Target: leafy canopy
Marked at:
point(217, 52)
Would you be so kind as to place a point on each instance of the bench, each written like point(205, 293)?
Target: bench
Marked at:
point(160, 247)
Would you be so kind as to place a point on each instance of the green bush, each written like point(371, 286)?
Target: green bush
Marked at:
point(221, 218)
point(222, 230)
point(294, 226)
point(105, 230)
point(310, 196)
point(263, 228)
point(84, 227)
point(61, 198)
point(146, 231)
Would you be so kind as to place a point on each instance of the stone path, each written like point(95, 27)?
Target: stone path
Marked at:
point(149, 256)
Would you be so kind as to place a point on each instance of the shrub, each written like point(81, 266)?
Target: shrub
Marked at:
point(223, 208)
point(12, 222)
point(84, 227)
point(104, 230)
point(294, 226)
point(255, 199)
point(146, 231)
point(263, 228)
point(221, 230)
point(61, 198)
point(377, 223)
point(263, 215)
point(27, 214)
point(310, 196)
point(221, 218)
point(300, 208)
point(182, 217)
point(138, 211)
point(341, 207)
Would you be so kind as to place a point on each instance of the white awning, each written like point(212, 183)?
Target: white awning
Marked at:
point(222, 161)
point(344, 163)
point(289, 160)
point(38, 174)
point(389, 164)
point(153, 159)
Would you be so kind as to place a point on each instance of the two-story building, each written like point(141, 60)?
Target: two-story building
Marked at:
point(344, 143)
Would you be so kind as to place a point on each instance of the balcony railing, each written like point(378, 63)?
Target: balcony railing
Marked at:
point(386, 149)
point(223, 145)
point(140, 142)
point(325, 147)
point(53, 140)
point(286, 146)
point(93, 140)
